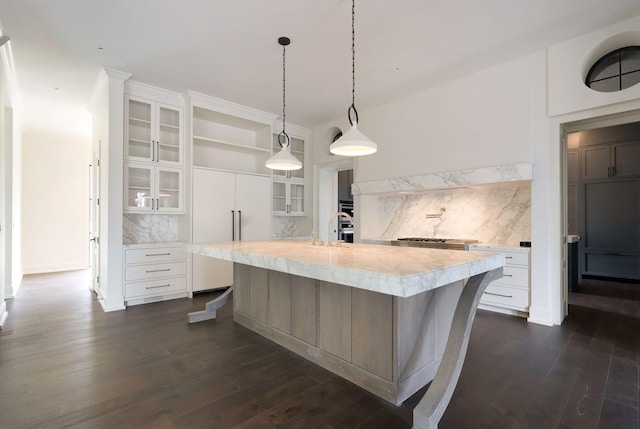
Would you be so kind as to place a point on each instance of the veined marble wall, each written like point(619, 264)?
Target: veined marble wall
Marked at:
point(494, 214)
point(150, 228)
point(156, 228)
point(286, 227)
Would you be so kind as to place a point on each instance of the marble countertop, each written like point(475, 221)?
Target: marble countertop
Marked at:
point(399, 271)
point(488, 247)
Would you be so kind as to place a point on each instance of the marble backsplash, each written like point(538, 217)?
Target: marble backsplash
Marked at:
point(150, 228)
point(286, 227)
point(498, 214)
point(157, 228)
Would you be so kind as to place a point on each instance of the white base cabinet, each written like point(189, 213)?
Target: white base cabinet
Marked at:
point(511, 293)
point(154, 272)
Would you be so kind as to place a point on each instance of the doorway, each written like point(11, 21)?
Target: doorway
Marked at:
point(602, 208)
point(328, 197)
point(94, 221)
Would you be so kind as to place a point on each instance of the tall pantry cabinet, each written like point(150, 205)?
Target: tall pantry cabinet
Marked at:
point(155, 263)
point(231, 189)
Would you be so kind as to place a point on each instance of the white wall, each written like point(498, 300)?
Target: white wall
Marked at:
point(506, 114)
point(481, 120)
point(10, 182)
point(108, 128)
point(55, 201)
point(569, 63)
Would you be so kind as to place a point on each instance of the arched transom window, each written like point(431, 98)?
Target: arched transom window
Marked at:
point(616, 70)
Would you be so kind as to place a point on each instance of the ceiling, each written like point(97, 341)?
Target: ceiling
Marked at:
point(229, 49)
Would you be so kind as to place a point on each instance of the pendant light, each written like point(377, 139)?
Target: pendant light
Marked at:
point(283, 160)
point(353, 142)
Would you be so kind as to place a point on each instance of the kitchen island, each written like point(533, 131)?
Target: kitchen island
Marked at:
point(384, 318)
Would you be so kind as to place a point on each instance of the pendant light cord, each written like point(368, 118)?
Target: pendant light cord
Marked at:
point(353, 53)
point(352, 108)
point(284, 41)
point(284, 88)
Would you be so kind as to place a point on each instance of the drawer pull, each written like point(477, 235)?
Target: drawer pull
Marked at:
point(507, 275)
point(499, 294)
point(157, 271)
point(157, 254)
point(156, 287)
point(508, 257)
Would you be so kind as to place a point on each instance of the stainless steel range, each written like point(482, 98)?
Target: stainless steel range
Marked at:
point(435, 243)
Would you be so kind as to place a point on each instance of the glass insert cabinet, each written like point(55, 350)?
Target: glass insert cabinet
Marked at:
point(288, 186)
point(153, 155)
point(152, 189)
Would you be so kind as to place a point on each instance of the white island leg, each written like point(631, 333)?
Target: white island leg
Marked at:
point(431, 408)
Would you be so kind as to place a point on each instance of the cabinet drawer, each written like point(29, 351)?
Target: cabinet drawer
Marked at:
point(154, 271)
point(152, 255)
point(505, 296)
point(516, 258)
point(514, 276)
point(155, 287)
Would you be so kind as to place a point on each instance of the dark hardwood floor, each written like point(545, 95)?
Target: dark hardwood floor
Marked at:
point(64, 363)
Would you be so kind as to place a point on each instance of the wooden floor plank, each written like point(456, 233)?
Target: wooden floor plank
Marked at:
point(65, 363)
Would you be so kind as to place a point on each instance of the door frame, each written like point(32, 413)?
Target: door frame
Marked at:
point(326, 193)
point(94, 221)
point(565, 128)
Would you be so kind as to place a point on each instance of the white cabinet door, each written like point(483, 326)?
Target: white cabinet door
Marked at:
point(168, 134)
point(213, 202)
point(152, 189)
point(253, 203)
point(169, 189)
point(226, 207)
point(139, 142)
point(139, 188)
point(153, 132)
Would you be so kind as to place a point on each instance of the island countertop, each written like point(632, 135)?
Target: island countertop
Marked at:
point(398, 271)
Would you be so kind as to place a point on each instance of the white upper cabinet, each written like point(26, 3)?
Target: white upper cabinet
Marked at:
point(153, 132)
point(153, 150)
point(152, 189)
point(289, 186)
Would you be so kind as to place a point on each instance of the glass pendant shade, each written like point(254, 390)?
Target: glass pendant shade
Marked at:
point(283, 160)
point(353, 143)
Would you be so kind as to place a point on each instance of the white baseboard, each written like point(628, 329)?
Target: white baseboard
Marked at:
point(107, 308)
point(541, 316)
point(53, 268)
point(503, 310)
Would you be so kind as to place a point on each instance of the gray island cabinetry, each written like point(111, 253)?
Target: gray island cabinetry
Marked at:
point(383, 318)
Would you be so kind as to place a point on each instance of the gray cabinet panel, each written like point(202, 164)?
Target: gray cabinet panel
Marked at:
point(280, 301)
point(612, 265)
point(372, 332)
point(611, 215)
point(596, 162)
point(304, 313)
point(573, 166)
point(626, 159)
point(335, 319)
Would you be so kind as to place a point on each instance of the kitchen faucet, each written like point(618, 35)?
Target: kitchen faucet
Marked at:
point(335, 215)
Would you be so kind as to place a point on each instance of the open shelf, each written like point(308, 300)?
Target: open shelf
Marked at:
point(230, 143)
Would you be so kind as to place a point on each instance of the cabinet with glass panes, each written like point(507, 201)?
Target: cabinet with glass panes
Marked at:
point(153, 150)
point(289, 186)
point(153, 132)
